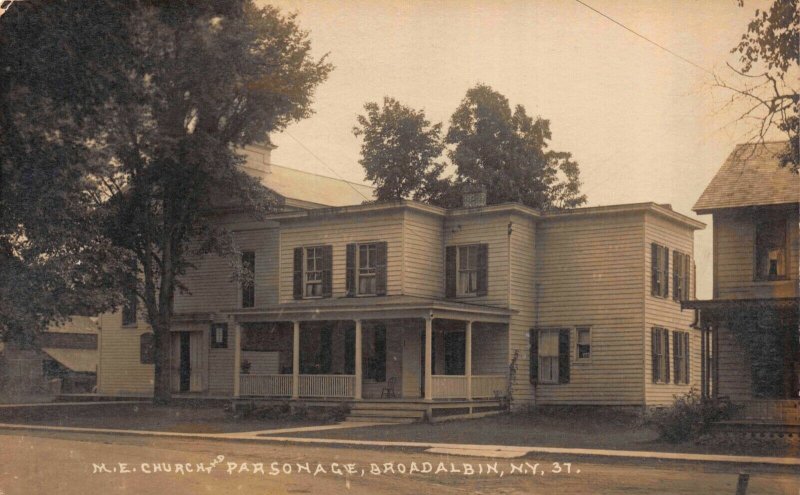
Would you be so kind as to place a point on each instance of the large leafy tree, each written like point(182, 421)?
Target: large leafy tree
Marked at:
point(766, 76)
point(399, 151)
point(506, 152)
point(189, 83)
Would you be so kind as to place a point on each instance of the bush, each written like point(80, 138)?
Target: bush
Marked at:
point(689, 417)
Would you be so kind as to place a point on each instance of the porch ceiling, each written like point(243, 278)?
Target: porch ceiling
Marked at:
point(373, 308)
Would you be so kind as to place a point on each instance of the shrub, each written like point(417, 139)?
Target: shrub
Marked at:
point(300, 411)
point(689, 417)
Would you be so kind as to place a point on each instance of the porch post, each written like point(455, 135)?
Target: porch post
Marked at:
point(359, 371)
point(237, 355)
point(296, 360)
point(428, 358)
point(468, 358)
point(703, 361)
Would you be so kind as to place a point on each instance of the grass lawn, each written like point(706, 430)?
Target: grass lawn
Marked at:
point(582, 428)
point(145, 416)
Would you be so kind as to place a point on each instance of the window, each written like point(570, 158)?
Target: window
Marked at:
point(680, 352)
point(366, 269)
point(584, 343)
point(659, 270)
point(550, 351)
point(219, 335)
point(130, 307)
point(660, 350)
point(367, 254)
point(146, 348)
point(313, 272)
point(681, 275)
point(248, 279)
point(771, 250)
point(467, 270)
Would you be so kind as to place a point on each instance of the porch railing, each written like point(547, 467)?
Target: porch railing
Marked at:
point(449, 387)
point(327, 385)
point(785, 411)
point(265, 385)
point(488, 386)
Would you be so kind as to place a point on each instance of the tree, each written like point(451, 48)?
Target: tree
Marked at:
point(189, 83)
point(399, 152)
point(768, 70)
point(54, 260)
point(507, 153)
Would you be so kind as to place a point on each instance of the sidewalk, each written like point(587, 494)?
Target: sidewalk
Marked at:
point(499, 451)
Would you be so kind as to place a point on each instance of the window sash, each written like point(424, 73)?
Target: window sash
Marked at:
point(468, 270)
point(367, 269)
point(548, 356)
point(584, 343)
point(313, 272)
point(771, 250)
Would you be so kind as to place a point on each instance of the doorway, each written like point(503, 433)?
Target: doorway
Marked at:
point(188, 362)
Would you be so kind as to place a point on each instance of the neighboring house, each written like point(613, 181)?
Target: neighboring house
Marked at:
point(420, 303)
point(750, 327)
point(63, 359)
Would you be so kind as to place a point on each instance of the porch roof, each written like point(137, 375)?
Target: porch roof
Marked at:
point(372, 308)
point(713, 311)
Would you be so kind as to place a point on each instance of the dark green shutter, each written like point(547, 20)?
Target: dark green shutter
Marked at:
point(534, 356)
point(450, 271)
point(297, 280)
point(483, 269)
point(676, 349)
point(380, 268)
point(686, 355)
point(350, 278)
point(327, 271)
point(563, 355)
point(665, 271)
point(677, 266)
point(655, 335)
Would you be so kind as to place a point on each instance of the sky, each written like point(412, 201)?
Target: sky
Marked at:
point(643, 124)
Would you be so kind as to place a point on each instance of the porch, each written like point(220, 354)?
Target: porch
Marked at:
point(387, 349)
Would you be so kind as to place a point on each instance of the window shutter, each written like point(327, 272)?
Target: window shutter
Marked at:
point(483, 269)
point(665, 271)
point(687, 276)
point(534, 356)
point(563, 355)
point(676, 349)
point(677, 266)
point(655, 265)
point(380, 268)
point(450, 271)
point(297, 281)
point(655, 335)
point(327, 271)
point(686, 357)
point(350, 278)
point(666, 356)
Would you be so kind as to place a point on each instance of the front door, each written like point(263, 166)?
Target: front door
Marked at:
point(188, 362)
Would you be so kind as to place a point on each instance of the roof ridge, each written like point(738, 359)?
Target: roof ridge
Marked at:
point(321, 175)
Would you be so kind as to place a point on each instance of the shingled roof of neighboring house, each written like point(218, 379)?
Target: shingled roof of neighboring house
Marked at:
point(751, 176)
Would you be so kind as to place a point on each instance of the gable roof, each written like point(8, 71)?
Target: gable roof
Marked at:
point(751, 176)
point(315, 189)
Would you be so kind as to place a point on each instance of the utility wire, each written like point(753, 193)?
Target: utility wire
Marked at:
point(326, 166)
point(623, 26)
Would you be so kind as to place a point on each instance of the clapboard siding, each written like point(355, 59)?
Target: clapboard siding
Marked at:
point(734, 257)
point(338, 231)
point(120, 371)
point(522, 298)
point(423, 255)
point(211, 286)
point(667, 313)
point(589, 273)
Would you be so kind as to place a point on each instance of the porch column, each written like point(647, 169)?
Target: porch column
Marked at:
point(703, 361)
point(237, 355)
point(468, 358)
point(359, 371)
point(428, 358)
point(296, 360)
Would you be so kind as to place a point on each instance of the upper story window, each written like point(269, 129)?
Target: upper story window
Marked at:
point(248, 279)
point(771, 250)
point(467, 270)
point(681, 275)
point(366, 269)
point(312, 272)
point(659, 270)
